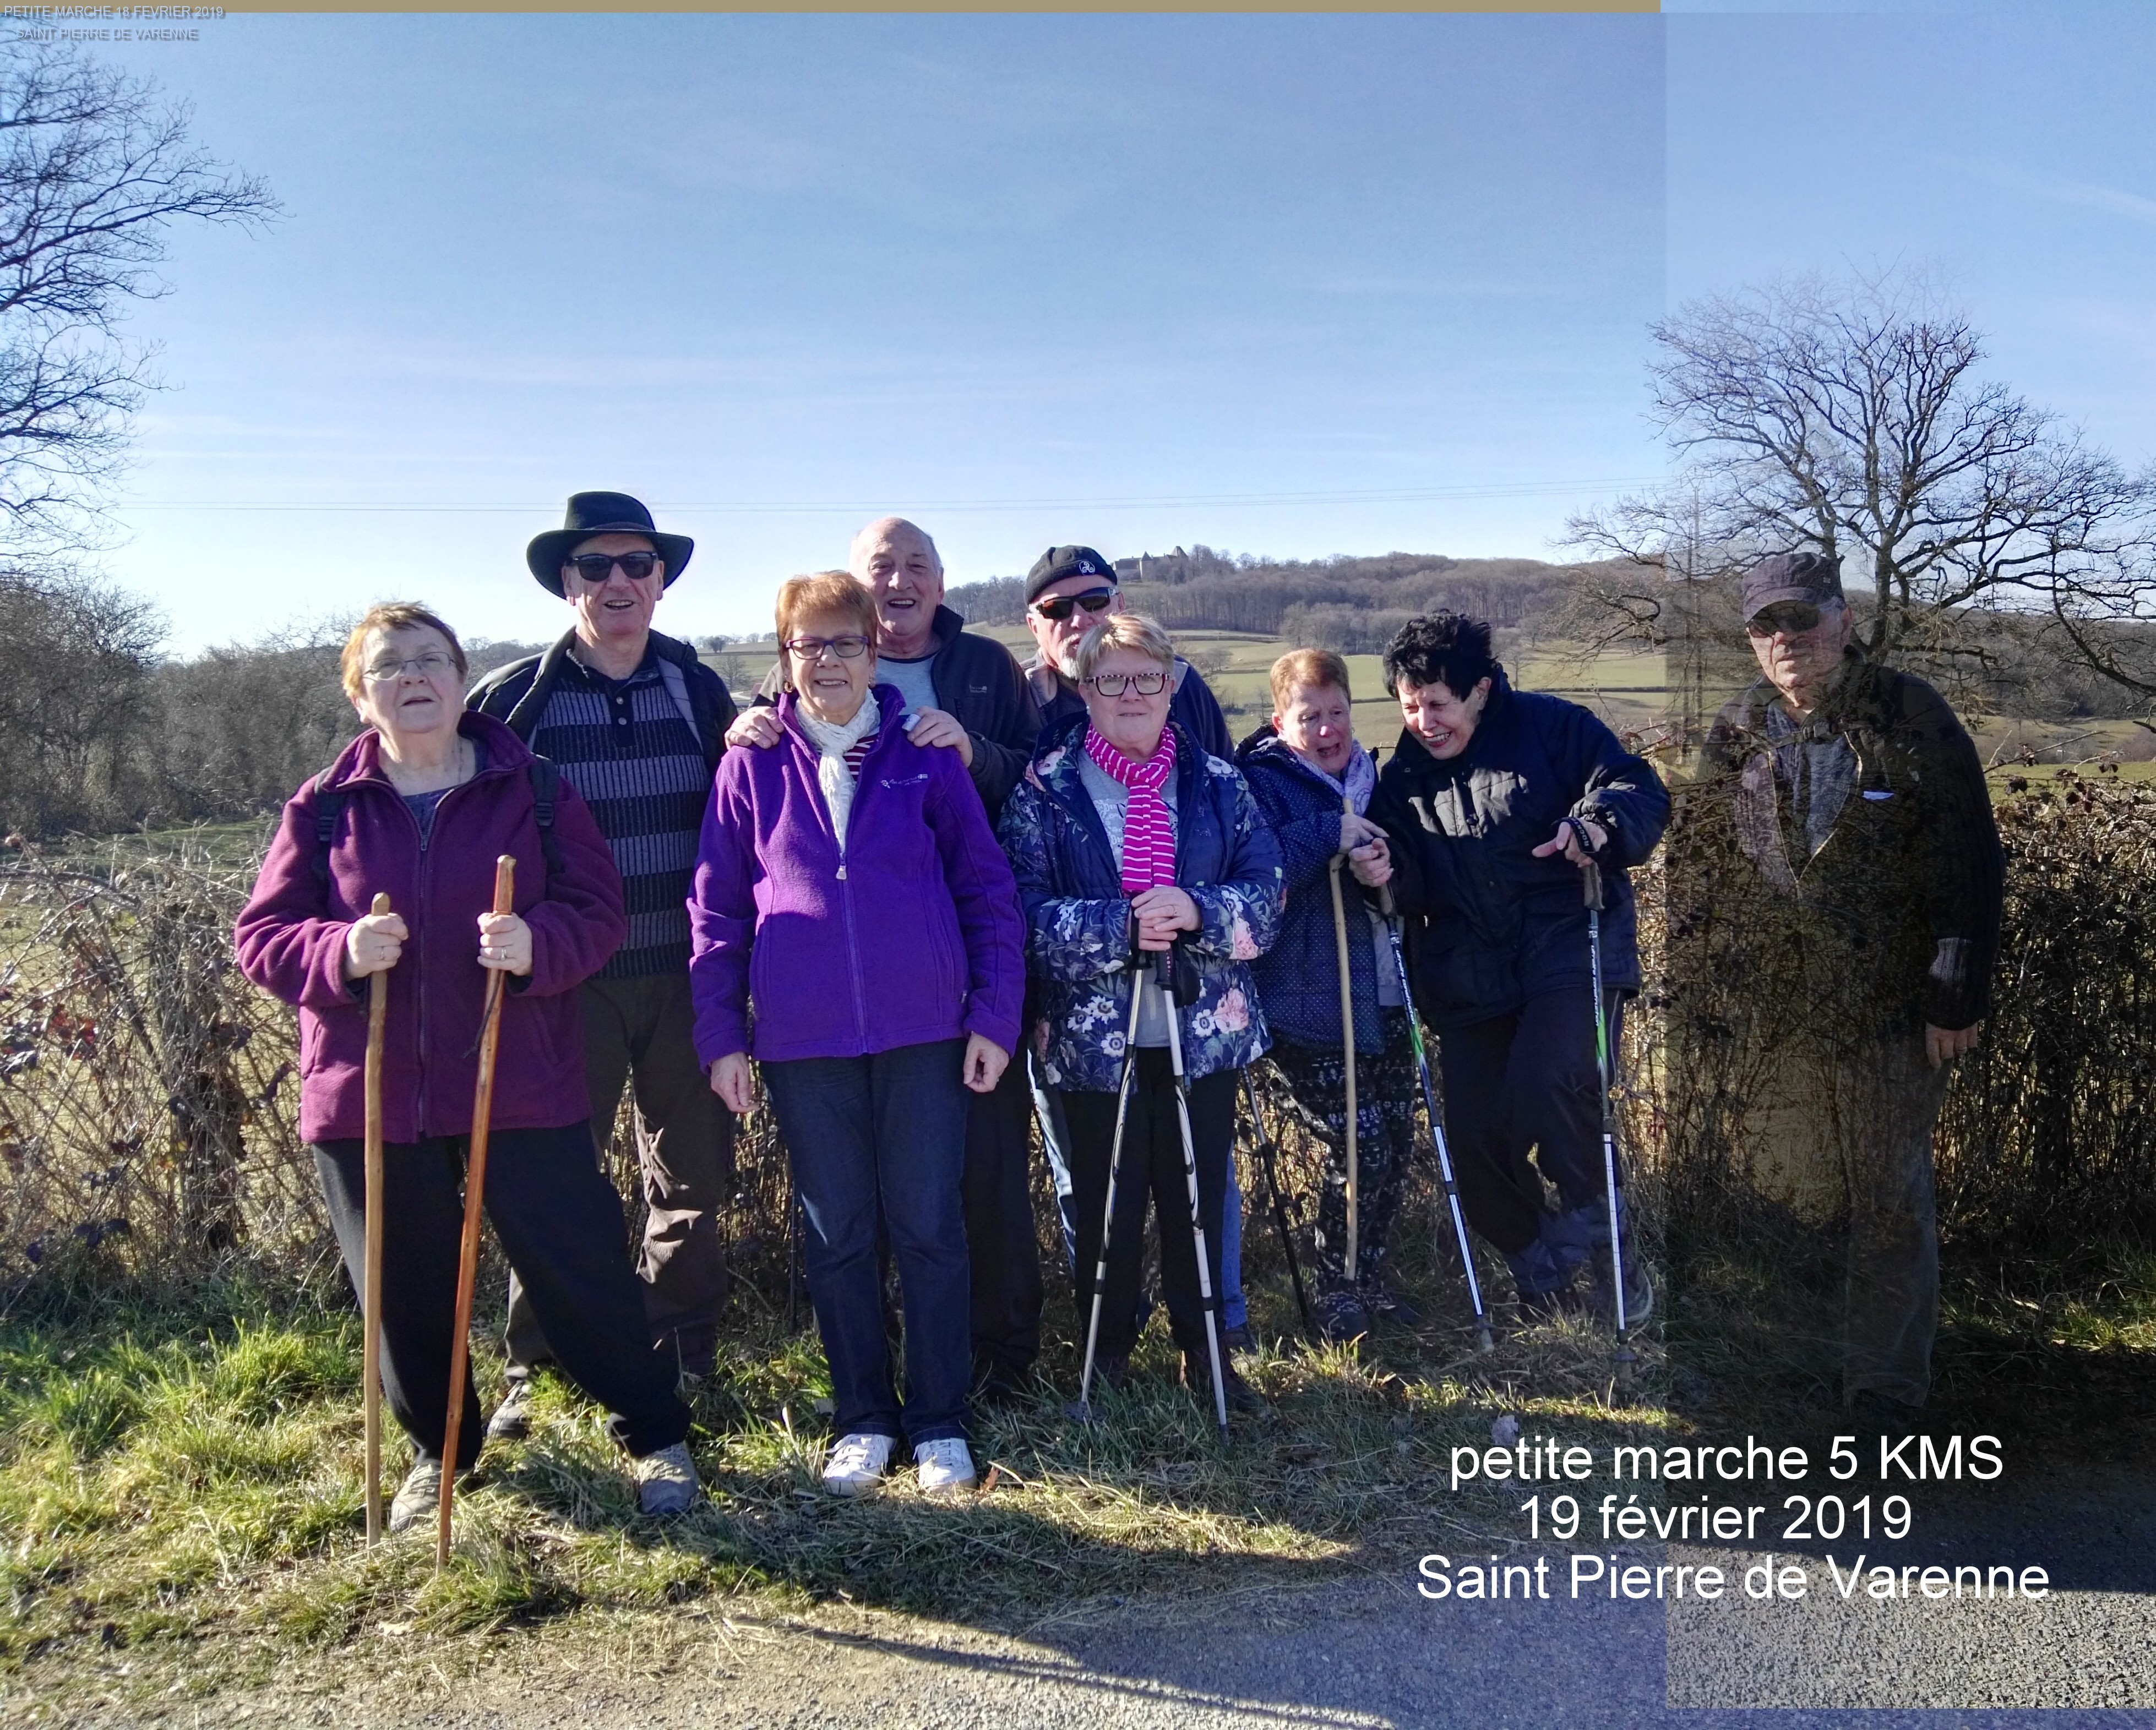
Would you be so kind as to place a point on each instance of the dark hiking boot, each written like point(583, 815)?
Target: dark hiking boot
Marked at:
point(1639, 1289)
point(1339, 1316)
point(996, 1388)
point(1198, 1377)
point(1237, 1339)
point(1113, 1372)
point(1386, 1306)
point(512, 1419)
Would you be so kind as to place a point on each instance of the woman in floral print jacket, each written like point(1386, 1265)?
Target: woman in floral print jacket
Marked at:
point(1129, 843)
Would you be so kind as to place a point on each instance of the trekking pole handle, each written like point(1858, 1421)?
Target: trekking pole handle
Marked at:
point(1590, 881)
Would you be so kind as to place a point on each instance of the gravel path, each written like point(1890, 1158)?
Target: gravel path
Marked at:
point(1363, 1651)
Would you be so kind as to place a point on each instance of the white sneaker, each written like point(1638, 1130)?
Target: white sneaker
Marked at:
point(856, 1465)
point(945, 1466)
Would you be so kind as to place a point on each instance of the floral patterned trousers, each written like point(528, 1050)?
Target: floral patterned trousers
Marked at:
point(1386, 1090)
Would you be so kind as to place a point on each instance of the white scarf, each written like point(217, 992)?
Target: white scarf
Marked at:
point(834, 740)
point(1358, 784)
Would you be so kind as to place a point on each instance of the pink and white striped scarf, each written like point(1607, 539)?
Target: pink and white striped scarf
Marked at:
point(1148, 835)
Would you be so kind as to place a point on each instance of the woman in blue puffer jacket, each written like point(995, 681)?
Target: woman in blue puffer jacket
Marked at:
point(1128, 842)
point(1313, 782)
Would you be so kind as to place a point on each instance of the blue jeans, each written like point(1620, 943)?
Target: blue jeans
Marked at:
point(879, 1143)
point(1055, 1141)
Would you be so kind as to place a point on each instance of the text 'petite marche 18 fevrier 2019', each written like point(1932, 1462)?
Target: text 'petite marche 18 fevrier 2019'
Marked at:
point(1864, 1518)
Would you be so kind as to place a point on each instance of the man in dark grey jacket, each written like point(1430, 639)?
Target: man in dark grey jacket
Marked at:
point(637, 723)
point(1853, 865)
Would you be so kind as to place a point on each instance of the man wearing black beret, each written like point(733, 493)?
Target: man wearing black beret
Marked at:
point(1069, 590)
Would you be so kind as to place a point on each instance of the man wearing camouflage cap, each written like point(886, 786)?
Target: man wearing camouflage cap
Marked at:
point(1864, 875)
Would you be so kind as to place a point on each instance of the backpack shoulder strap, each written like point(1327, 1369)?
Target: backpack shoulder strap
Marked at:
point(546, 791)
point(329, 806)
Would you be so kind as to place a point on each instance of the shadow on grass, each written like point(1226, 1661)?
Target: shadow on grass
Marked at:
point(187, 1465)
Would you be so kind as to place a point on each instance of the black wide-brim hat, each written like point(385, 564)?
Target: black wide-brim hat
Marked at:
point(603, 513)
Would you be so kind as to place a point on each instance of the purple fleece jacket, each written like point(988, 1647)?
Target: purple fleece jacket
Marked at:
point(291, 942)
point(915, 936)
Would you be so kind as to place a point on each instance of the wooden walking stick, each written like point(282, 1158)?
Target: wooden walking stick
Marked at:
point(1347, 1036)
point(377, 1007)
point(505, 896)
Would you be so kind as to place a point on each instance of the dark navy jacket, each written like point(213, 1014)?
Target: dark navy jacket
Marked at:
point(1492, 926)
point(1299, 976)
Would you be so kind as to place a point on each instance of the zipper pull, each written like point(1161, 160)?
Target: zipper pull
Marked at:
point(842, 873)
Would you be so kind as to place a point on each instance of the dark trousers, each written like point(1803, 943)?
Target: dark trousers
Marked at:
point(560, 1221)
point(878, 1145)
point(1152, 1165)
point(1000, 1244)
point(1386, 1089)
point(639, 1030)
point(1527, 1083)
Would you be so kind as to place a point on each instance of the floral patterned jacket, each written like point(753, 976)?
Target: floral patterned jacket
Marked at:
point(1078, 942)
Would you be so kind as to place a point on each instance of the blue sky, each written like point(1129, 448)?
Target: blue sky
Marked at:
point(1019, 275)
point(1292, 284)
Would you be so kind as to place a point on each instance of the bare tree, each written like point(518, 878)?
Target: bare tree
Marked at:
point(75, 662)
point(95, 168)
point(1851, 418)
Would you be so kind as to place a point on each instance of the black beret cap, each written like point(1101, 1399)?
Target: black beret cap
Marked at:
point(1059, 562)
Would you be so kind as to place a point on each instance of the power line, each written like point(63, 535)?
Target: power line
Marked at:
point(1522, 490)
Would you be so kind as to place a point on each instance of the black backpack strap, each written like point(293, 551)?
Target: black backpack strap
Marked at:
point(546, 791)
point(329, 806)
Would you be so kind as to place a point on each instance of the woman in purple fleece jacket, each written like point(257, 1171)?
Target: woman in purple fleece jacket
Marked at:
point(419, 806)
point(849, 887)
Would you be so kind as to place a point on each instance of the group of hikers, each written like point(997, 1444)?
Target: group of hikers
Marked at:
point(933, 896)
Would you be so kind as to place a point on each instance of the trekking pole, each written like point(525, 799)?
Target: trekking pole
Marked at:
point(1347, 1037)
point(505, 900)
point(1268, 1161)
point(1591, 879)
point(1081, 1410)
point(1483, 1340)
point(377, 1010)
point(1164, 978)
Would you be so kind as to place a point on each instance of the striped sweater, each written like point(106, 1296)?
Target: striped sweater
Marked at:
point(628, 749)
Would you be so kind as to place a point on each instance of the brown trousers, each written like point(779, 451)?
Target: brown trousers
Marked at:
point(1845, 1136)
point(638, 1032)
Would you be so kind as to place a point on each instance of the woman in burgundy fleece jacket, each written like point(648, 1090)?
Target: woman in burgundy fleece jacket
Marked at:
point(419, 806)
point(850, 887)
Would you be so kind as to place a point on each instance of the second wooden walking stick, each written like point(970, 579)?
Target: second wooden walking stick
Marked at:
point(505, 899)
point(377, 1008)
point(1347, 1037)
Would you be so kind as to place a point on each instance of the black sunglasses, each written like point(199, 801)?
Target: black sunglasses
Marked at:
point(1061, 607)
point(594, 567)
point(1791, 617)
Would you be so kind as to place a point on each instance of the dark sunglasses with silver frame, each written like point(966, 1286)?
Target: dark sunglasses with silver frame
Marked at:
point(1060, 607)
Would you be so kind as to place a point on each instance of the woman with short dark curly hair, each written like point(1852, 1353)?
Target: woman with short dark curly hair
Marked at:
point(1493, 801)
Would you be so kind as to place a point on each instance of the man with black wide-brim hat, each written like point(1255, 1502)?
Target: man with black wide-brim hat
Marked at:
point(638, 723)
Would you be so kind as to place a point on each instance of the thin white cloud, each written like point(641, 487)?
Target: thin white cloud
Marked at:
point(2085, 195)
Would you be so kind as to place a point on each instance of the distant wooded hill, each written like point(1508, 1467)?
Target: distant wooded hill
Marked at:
point(1351, 604)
